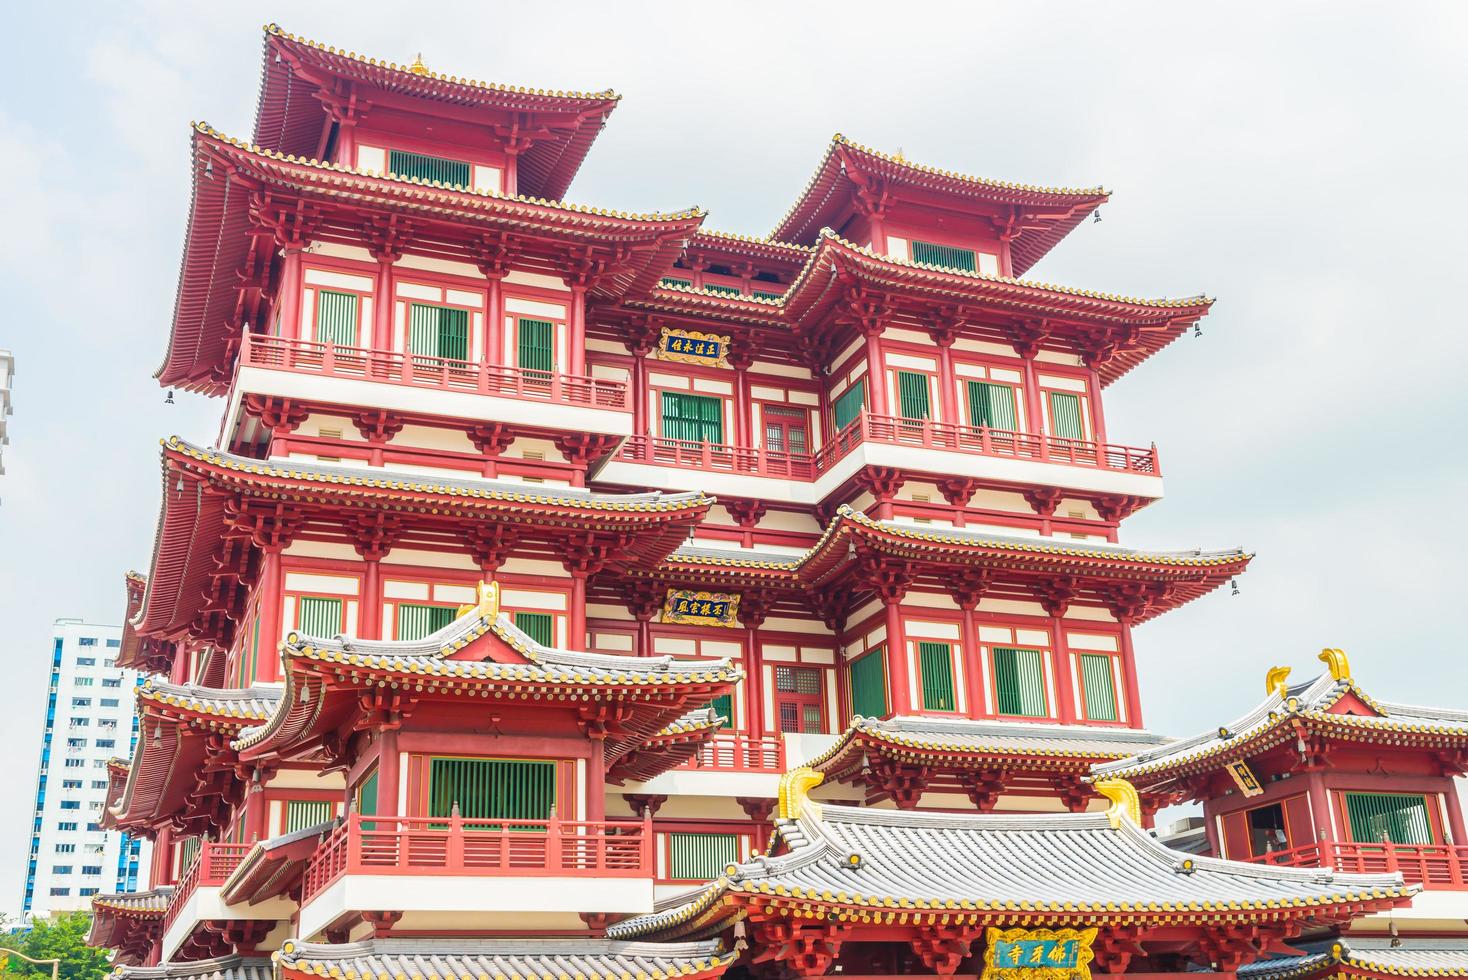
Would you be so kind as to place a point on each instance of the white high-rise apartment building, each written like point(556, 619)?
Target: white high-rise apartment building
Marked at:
point(89, 720)
point(7, 375)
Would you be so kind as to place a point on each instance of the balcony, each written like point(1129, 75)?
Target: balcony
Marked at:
point(737, 752)
point(920, 445)
point(434, 867)
point(394, 381)
point(196, 899)
point(1436, 866)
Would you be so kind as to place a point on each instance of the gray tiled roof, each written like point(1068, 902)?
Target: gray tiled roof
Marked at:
point(223, 968)
point(512, 959)
point(1414, 956)
point(1311, 698)
point(430, 657)
point(1100, 549)
point(247, 704)
point(966, 735)
point(466, 486)
point(1067, 863)
point(153, 900)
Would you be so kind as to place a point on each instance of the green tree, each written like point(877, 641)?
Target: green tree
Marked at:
point(63, 938)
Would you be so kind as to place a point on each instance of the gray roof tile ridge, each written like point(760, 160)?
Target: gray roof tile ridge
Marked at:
point(260, 692)
point(1394, 709)
point(286, 466)
point(938, 819)
point(1103, 547)
point(961, 726)
point(1310, 694)
point(501, 946)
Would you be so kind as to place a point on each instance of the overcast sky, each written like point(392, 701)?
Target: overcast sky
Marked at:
point(1305, 163)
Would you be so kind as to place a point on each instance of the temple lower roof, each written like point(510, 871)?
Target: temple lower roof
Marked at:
point(1330, 702)
point(222, 968)
point(503, 959)
point(850, 860)
point(963, 736)
point(1415, 956)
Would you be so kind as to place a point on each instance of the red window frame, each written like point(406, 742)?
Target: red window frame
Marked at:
point(798, 701)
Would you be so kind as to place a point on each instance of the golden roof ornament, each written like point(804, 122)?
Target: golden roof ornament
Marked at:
point(487, 607)
point(418, 67)
point(1335, 660)
point(1277, 681)
point(1125, 801)
point(795, 785)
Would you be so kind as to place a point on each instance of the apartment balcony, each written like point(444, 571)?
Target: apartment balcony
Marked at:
point(1433, 866)
point(196, 901)
point(433, 870)
point(393, 381)
point(913, 445)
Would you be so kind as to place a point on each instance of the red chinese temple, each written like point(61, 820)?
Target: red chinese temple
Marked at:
point(579, 594)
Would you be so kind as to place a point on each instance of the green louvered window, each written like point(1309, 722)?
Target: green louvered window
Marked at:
point(944, 255)
point(188, 853)
point(764, 294)
point(367, 795)
point(1065, 416)
point(420, 166)
point(1019, 680)
point(912, 395)
point(1099, 683)
point(540, 627)
point(695, 418)
point(300, 814)
point(438, 331)
point(537, 342)
point(318, 616)
point(936, 661)
point(676, 281)
point(700, 857)
point(336, 318)
point(849, 405)
point(868, 676)
point(992, 405)
point(508, 789)
point(722, 289)
point(1400, 818)
point(723, 706)
point(417, 621)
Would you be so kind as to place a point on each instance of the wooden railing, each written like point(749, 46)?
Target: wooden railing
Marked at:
point(501, 848)
point(734, 752)
point(1429, 865)
point(422, 371)
point(213, 866)
point(888, 430)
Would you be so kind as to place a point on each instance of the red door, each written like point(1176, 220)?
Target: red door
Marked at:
point(785, 430)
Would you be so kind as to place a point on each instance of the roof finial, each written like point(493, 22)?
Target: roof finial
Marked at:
point(418, 67)
point(488, 606)
point(1277, 681)
point(1124, 801)
point(898, 156)
point(1340, 667)
point(794, 786)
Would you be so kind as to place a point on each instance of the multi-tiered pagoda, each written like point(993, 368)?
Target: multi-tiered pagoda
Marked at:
point(581, 594)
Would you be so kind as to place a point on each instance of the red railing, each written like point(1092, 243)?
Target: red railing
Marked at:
point(733, 752)
point(457, 846)
point(888, 430)
point(422, 371)
point(1430, 865)
point(211, 868)
point(718, 458)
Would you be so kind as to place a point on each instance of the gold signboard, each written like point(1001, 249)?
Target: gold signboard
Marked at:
point(1038, 954)
point(692, 347)
point(701, 608)
point(1244, 777)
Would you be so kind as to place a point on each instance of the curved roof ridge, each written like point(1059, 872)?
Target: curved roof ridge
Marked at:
point(413, 71)
point(204, 129)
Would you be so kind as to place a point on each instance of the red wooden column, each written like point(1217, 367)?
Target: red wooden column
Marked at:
point(966, 592)
point(1129, 669)
point(890, 581)
point(382, 304)
point(389, 776)
point(576, 613)
point(374, 539)
point(1065, 680)
point(494, 326)
point(754, 608)
point(291, 284)
point(876, 374)
point(639, 391)
point(576, 332)
point(596, 787)
point(740, 360)
point(944, 334)
point(267, 663)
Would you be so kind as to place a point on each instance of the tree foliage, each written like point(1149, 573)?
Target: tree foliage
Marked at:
point(64, 938)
